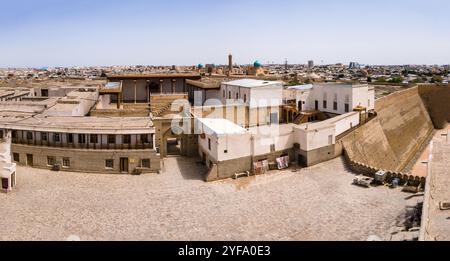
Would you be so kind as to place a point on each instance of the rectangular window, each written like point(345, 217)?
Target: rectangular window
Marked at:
point(44, 136)
point(44, 93)
point(29, 135)
point(144, 138)
point(229, 95)
point(347, 107)
point(237, 96)
point(16, 157)
point(209, 144)
point(56, 137)
point(111, 139)
point(93, 138)
point(126, 139)
point(335, 106)
point(274, 119)
point(81, 138)
point(245, 98)
point(145, 163)
point(272, 148)
point(51, 160)
point(66, 162)
point(14, 134)
point(69, 138)
point(1, 134)
point(324, 104)
point(109, 164)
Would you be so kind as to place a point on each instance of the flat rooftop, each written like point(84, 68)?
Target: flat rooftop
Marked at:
point(220, 127)
point(342, 85)
point(152, 76)
point(305, 87)
point(8, 117)
point(205, 83)
point(84, 125)
point(251, 83)
point(273, 130)
point(5, 93)
point(326, 123)
point(112, 85)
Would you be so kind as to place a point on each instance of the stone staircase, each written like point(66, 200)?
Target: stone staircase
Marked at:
point(305, 117)
point(160, 109)
point(160, 104)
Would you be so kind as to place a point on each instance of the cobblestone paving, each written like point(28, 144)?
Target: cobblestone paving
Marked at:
point(317, 203)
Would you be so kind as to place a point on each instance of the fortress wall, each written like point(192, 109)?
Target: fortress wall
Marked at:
point(437, 101)
point(392, 139)
point(370, 145)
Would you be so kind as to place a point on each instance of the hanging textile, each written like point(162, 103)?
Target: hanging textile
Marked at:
point(283, 162)
point(257, 167)
point(265, 166)
point(261, 167)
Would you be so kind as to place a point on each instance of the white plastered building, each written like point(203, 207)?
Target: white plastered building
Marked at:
point(335, 98)
point(7, 168)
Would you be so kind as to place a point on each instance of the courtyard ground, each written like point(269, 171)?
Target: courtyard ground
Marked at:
point(317, 203)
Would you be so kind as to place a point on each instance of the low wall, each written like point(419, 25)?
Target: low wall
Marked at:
point(84, 160)
point(313, 157)
point(226, 169)
point(370, 171)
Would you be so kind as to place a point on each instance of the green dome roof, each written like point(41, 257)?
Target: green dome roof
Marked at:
point(200, 66)
point(257, 64)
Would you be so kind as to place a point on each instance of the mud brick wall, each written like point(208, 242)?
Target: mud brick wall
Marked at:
point(395, 136)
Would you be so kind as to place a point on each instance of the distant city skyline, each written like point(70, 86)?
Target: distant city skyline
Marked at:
point(53, 33)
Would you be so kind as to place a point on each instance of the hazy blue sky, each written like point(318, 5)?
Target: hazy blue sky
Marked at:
point(185, 32)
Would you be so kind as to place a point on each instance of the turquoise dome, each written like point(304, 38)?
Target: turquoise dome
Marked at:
point(257, 64)
point(200, 66)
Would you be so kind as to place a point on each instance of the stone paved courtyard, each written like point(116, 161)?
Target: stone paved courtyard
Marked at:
point(317, 203)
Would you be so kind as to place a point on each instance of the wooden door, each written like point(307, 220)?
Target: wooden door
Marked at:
point(124, 165)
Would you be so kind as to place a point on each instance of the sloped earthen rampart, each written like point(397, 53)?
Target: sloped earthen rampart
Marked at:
point(391, 140)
